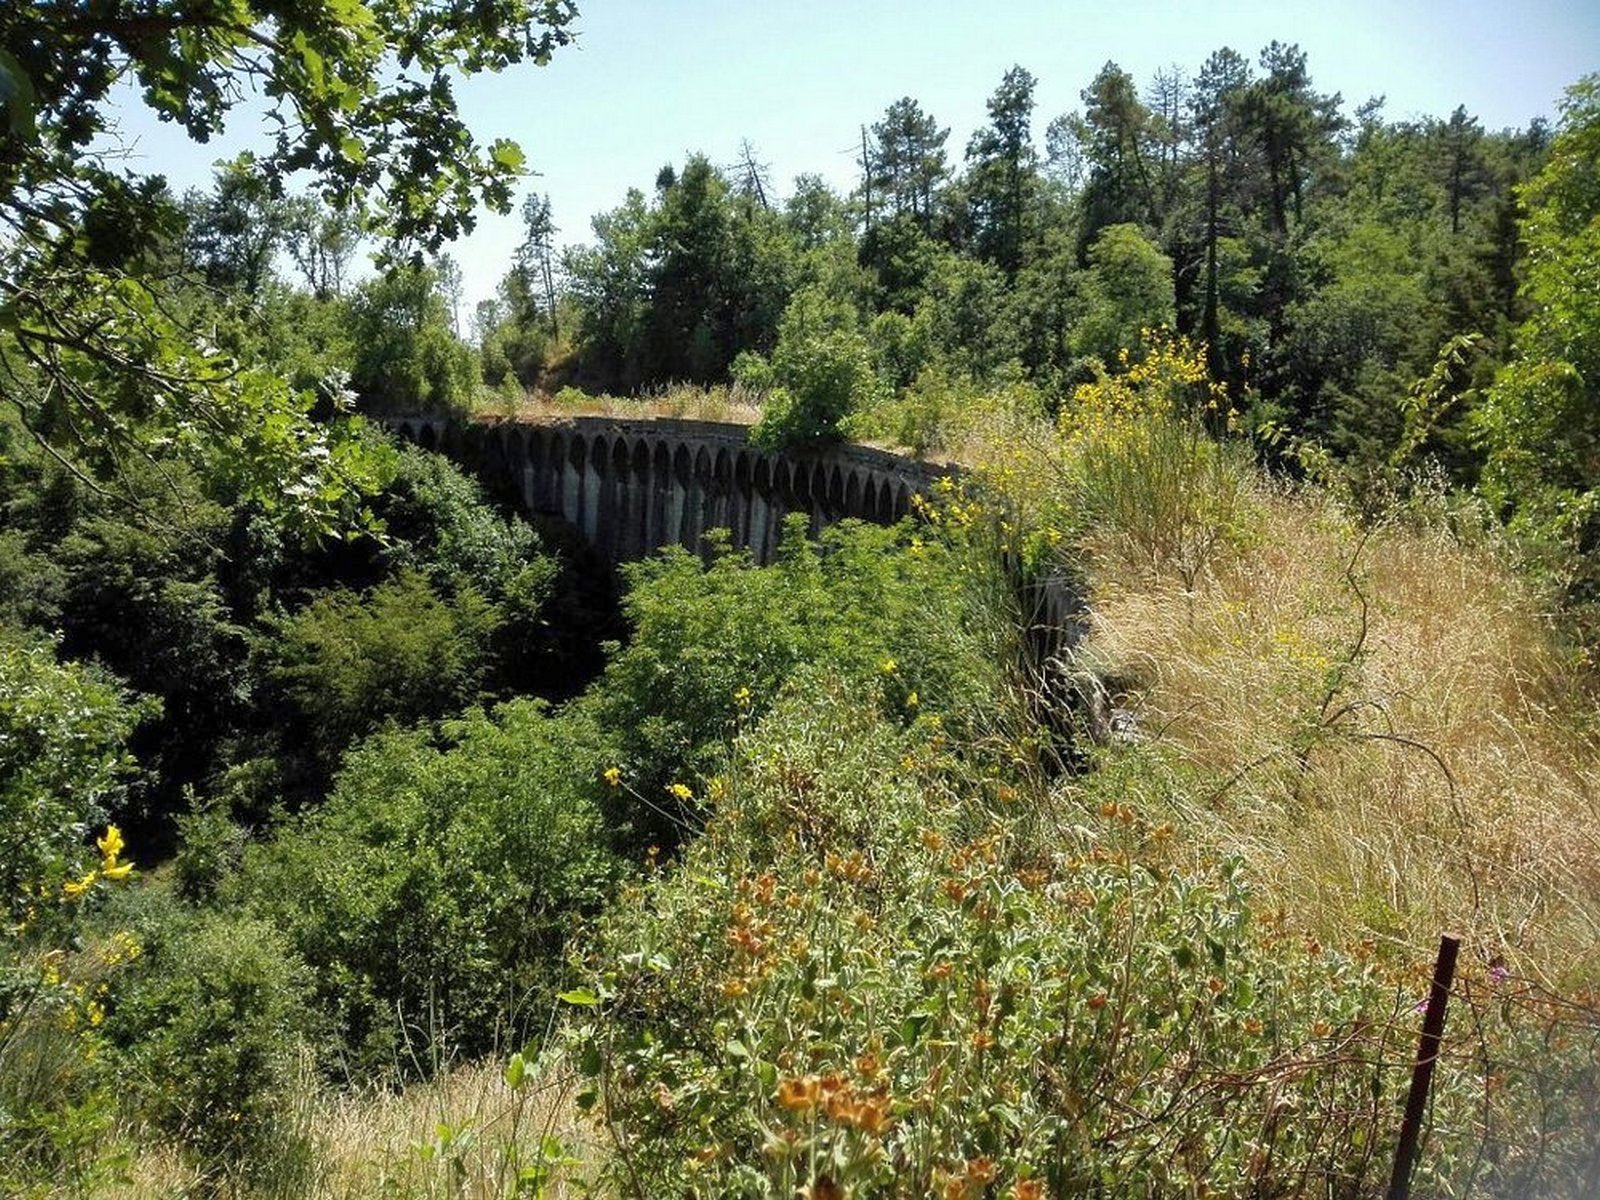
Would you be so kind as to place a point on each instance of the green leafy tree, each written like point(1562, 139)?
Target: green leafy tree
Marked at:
point(359, 95)
point(349, 662)
point(610, 280)
point(435, 889)
point(1540, 423)
point(1128, 290)
point(1002, 173)
point(1116, 131)
point(908, 160)
point(322, 240)
point(407, 356)
point(821, 371)
point(1218, 124)
point(237, 228)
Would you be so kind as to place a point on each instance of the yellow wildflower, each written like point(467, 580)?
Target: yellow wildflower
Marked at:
point(613, 777)
point(118, 872)
point(111, 844)
point(681, 791)
point(74, 888)
point(742, 696)
point(888, 666)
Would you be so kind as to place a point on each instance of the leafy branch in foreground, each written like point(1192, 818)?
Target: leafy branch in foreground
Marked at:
point(98, 353)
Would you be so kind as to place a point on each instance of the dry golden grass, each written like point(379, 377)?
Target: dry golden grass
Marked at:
point(685, 402)
point(1428, 765)
point(345, 1146)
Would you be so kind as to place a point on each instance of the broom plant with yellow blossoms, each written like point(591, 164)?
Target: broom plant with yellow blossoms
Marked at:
point(1138, 466)
point(55, 984)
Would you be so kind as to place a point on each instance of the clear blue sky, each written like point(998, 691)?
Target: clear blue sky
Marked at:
point(652, 80)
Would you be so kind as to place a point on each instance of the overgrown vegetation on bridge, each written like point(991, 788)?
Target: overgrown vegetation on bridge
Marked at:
point(359, 837)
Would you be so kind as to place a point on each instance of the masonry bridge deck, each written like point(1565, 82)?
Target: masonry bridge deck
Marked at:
point(633, 486)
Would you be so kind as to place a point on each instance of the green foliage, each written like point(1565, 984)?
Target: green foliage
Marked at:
point(98, 352)
point(675, 290)
point(434, 890)
point(437, 521)
point(863, 979)
point(403, 651)
point(1128, 291)
point(407, 356)
point(1539, 422)
point(64, 766)
point(1145, 478)
point(1003, 176)
point(209, 1028)
point(821, 372)
point(210, 848)
point(712, 646)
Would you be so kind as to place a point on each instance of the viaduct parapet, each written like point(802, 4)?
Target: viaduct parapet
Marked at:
point(633, 486)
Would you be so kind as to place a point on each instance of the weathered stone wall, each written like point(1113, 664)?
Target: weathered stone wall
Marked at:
point(632, 487)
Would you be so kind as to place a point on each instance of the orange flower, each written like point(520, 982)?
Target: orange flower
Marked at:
point(1028, 1189)
point(799, 1095)
point(981, 1170)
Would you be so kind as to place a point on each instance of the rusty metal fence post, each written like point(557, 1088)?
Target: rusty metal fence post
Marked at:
point(1405, 1154)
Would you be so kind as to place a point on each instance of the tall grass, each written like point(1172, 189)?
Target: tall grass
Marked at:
point(465, 1135)
point(731, 404)
point(1379, 721)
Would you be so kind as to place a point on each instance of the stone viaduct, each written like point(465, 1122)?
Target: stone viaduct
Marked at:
point(633, 486)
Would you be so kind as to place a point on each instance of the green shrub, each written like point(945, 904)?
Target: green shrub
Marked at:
point(821, 371)
point(1148, 480)
point(401, 652)
point(407, 357)
point(440, 524)
point(209, 1031)
point(866, 979)
point(712, 646)
point(63, 766)
point(210, 847)
point(434, 890)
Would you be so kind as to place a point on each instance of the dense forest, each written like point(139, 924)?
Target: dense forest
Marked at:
point(363, 835)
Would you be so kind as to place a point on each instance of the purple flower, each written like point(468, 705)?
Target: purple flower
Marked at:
point(1499, 973)
point(1421, 1006)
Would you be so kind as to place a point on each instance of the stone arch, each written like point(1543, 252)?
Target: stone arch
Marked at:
point(616, 492)
point(682, 490)
point(852, 496)
point(641, 498)
point(535, 448)
point(700, 494)
point(720, 514)
point(886, 512)
point(427, 438)
point(766, 509)
point(595, 473)
point(660, 533)
point(572, 473)
point(902, 501)
point(741, 497)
